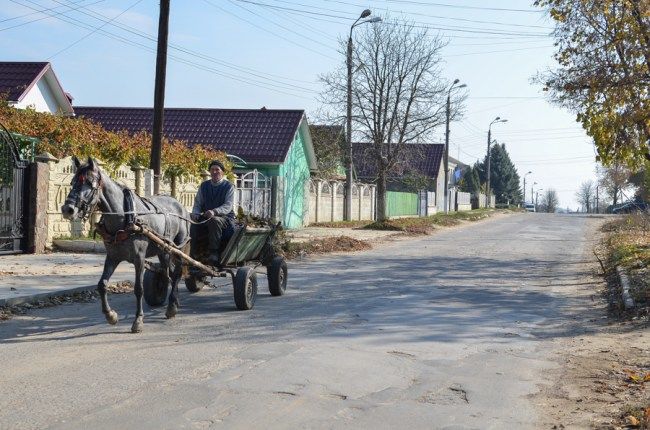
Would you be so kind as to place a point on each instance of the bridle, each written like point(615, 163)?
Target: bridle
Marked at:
point(86, 207)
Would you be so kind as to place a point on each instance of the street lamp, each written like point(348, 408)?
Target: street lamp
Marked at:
point(348, 174)
point(531, 196)
point(447, 141)
point(537, 198)
point(487, 192)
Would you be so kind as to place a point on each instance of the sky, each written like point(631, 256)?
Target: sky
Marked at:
point(255, 53)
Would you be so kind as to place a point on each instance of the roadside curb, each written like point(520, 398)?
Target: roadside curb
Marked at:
point(33, 298)
point(628, 301)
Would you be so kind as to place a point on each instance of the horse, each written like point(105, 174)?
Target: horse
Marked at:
point(93, 189)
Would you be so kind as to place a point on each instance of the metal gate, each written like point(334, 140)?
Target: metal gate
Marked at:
point(13, 195)
point(253, 194)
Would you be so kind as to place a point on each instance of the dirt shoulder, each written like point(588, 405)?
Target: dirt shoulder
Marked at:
point(603, 375)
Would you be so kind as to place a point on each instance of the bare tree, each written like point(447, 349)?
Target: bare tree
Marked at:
point(550, 201)
point(586, 194)
point(614, 180)
point(398, 95)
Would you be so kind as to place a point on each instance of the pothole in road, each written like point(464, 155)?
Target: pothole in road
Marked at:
point(452, 395)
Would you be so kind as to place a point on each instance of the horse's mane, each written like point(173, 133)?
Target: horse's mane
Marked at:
point(83, 169)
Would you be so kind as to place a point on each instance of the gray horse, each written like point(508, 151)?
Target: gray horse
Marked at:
point(91, 188)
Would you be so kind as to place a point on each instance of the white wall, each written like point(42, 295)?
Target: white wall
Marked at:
point(45, 96)
point(40, 98)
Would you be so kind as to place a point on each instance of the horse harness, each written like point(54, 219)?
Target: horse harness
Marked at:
point(129, 219)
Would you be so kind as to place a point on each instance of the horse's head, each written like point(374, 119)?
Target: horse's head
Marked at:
point(85, 192)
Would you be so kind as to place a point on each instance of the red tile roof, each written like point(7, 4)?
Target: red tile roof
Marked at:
point(257, 136)
point(16, 77)
point(423, 158)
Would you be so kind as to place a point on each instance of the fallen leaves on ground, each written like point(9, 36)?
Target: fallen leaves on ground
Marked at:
point(323, 246)
point(8, 312)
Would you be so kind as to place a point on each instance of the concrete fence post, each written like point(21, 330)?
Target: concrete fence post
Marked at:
point(139, 178)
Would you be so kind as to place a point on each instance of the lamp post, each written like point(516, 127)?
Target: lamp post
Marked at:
point(447, 141)
point(531, 192)
point(347, 209)
point(529, 172)
point(537, 198)
point(487, 192)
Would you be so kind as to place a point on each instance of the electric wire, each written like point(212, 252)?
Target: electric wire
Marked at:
point(87, 35)
point(291, 82)
point(78, 23)
point(47, 16)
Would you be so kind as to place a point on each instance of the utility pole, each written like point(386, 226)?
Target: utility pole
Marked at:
point(487, 192)
point(347, 207)
point(159, 95)
point(531, 196)
point(447, 143)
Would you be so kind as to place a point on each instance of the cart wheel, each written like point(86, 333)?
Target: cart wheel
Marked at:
point(245, 288)
point(194, 284)
point(276, 273)
point(155, 288)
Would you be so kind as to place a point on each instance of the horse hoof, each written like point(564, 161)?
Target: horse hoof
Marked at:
point(137, 326)
point(111, 317)
point(171, 312)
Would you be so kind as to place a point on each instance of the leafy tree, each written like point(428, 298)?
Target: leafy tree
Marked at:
point(414, 181)
point(613, 181)
point(586, 194)
point(470, 182)
point(398, 93)
point(504, 178)
point(64, 136)
point(604, 73)
point(641, 180)
point(329, 146)
point(549, 202)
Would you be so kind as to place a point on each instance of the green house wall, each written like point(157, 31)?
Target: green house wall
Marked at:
point(295, 173)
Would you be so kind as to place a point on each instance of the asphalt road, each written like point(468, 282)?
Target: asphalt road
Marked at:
point(453, 330)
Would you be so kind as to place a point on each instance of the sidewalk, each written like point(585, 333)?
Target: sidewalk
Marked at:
point(28, 278)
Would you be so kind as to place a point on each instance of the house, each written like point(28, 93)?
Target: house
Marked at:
point(275, 142)
point(456, 170)
point(421, 168)
point(33, 85)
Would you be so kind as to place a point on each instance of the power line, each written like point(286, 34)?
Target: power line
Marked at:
point(419, 3)
point(275, 23)
point(36, 13)
point(416, 24)
point(410, 13)
point(94, 31)
point(261, 74)
point(265, 76)
point(267, 30)
point(265, 85)
point(446, 17)
point(70, 9)
point(499, 51)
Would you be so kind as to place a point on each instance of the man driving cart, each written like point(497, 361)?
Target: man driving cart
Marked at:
point(214, 204)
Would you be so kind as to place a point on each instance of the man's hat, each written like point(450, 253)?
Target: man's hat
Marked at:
point(216, 163)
